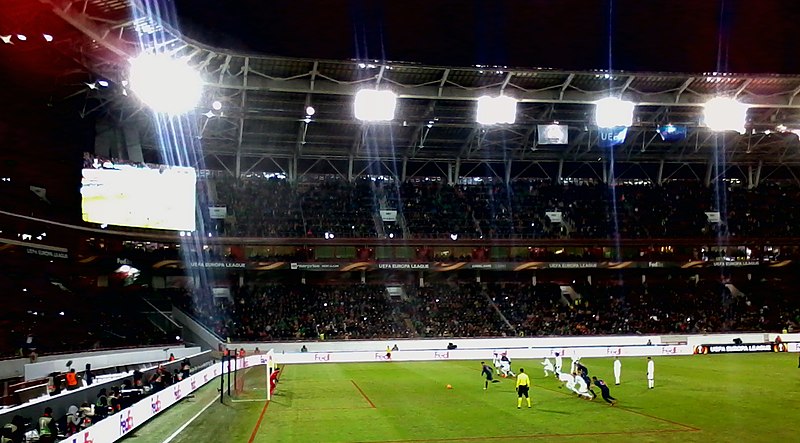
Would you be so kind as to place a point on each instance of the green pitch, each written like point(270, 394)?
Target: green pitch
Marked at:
point(742, 398)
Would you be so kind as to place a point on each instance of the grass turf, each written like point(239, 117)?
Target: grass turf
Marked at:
point(743, 398)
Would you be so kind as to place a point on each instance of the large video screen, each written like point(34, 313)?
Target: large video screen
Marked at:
point(140, 197)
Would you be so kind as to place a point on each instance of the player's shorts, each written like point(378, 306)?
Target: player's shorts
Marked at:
point(522, 391)
point(488, 376)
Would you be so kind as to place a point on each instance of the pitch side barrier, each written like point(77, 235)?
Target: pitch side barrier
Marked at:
point(117, 426)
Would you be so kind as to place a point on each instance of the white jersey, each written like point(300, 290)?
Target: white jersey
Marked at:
point(581, 384)
point(496, 360)
point(547, 364)
point(559, 362)
point(651, 370)
point(617, 367)
point(567, 378)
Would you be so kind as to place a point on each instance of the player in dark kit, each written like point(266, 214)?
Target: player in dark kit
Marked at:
point(487, 372)
point(604, 391)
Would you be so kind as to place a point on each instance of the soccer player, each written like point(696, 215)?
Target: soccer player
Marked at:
point(568, 380)
point(487, 372)
point(583, 372)
point(523, 386)
point(505, 366)
point(651, 373)
point(559, 363)
point(581, 387)
point(617, 370)
point(604, 391)
point(496, 362)
point(548, 367)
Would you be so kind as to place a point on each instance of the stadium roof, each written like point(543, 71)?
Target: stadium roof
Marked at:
point(264, 100)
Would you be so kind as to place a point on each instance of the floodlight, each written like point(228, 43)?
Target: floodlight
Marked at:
point(372, 105)
point(6, 39)
point(47, 37)
point(165, 84)
point(216, 105)
point(103, 83)
point(22, 37)
point(725, 114)
point(611, 112)
point(310, 111)
point(496, 110)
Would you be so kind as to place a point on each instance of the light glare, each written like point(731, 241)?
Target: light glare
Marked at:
point(725, 114)
point(48, 37)
point(611, 112)
point(372, 105)
point(496, 110)
point(165, 84)
point(217, 105)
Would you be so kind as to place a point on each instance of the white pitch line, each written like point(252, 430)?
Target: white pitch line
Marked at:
point(185, 425)
point(249, 400)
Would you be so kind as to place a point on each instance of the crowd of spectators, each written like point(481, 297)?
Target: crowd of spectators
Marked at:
point(676, 209)
point(683, 306)
point(281, 312)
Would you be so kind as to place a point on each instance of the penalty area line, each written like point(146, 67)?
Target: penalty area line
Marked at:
point(188, 422)
point(371, 404)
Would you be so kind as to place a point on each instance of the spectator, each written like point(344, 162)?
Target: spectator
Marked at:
point(48, 431)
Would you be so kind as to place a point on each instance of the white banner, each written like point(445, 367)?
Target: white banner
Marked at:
point(555, 217)
point(388, 215)
point(713, 217)
point(218, 212)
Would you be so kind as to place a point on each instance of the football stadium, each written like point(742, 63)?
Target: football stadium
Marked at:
point(417, 221)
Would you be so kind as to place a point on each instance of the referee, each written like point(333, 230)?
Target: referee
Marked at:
point(523, 386)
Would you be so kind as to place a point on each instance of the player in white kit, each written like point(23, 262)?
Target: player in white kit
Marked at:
point(548, 367)
point(651, 373)
point(505, 366)
point(580, 386)
point(617, 370)
point(559, 363)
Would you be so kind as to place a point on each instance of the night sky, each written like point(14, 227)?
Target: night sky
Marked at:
point(749, 36)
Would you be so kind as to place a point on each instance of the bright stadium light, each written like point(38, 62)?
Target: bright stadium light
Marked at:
point(216, 105)
point(496, 110)
point(611, 112)
point(372, 105)
point(165, 84)
point(725, 114)
point(310, 111)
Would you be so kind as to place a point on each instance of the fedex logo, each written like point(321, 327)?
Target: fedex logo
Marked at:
point(244, 363)
point(322, 357)
point(86, 439)
point(193, 384)
point(669, 350)
point(155, 405)
point(177, 392)
point(441, 355)
point(560, 352)
point(125, 423)
point(614, 351)
point(381, 357)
